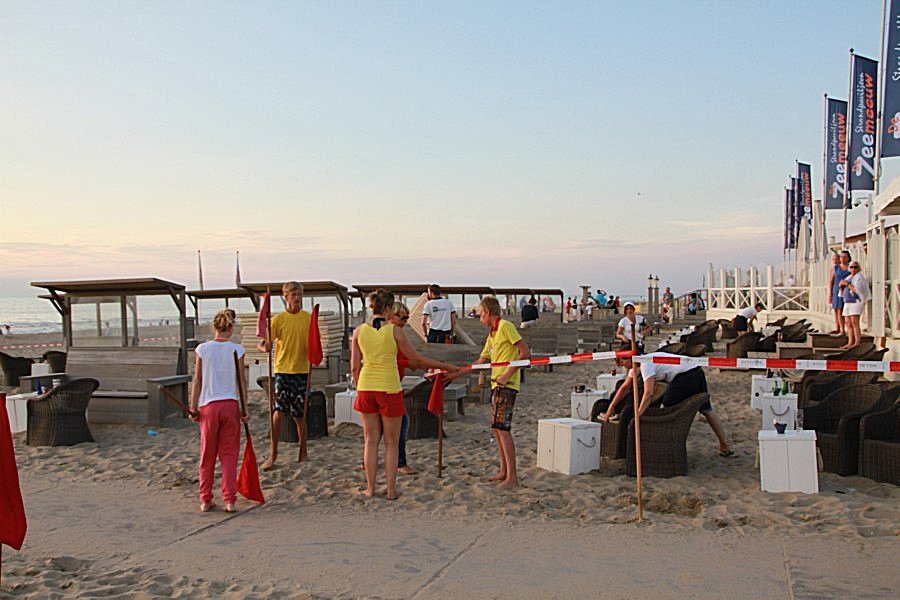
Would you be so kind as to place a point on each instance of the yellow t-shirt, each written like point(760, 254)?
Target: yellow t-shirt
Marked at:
point(500, 346)
point(379, 353)
point(291, 335)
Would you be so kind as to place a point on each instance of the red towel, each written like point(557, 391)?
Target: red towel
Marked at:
point(248, 479)
point(314, 346)
point(436, 400)
point(12, 509)
point(262, 324)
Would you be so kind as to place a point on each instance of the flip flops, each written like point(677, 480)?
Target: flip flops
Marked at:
point(726, 453)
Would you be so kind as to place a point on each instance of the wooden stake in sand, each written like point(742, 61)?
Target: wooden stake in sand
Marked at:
point(271, 386)
point(635, 373)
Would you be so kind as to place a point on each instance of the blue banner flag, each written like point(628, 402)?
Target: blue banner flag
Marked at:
point(863, 115)
point(835, 152)
point(804, 193)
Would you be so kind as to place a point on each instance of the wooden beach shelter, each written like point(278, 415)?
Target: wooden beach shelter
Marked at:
point(512, 296)
point(132, 357)
point(541, 292)
point(227, 294)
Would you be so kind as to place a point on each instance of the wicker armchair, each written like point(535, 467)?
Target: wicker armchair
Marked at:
point(664, 434)
point(745, 343)
point(728, 330)
point(58, 417)
point(673, 348)
point(704, 334)
point(816, 385)
point(614, 435)
point(778, 322)
point(695, 350)
point(795, 332)
point(422, 424)
point(13, 367)
point(316, 416)
point(836, 421)
point(767, 344)
point(879, 447)
point(56, 360)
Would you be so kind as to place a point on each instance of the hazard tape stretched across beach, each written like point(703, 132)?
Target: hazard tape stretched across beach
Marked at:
point(875, 366)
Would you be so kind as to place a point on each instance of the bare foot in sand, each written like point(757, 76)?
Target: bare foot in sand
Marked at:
point(366, 493)
point(269, 464)
point(207, 506)
point(230, 508)
point(498, 477)
point(508, 485)
point(393, 496)
point(407, 470)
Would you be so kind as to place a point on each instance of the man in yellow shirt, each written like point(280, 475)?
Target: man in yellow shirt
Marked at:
point(503, 344)
point(290, 332)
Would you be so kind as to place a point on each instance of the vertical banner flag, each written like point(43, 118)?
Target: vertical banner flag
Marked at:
point(314, 338)
point(804, 193)
point(796, 212)
point(787, 219)
point(835, 152)
point(890, 132)
point(863, 114)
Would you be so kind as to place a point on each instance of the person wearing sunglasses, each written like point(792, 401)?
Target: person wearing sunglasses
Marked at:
point(855, 292)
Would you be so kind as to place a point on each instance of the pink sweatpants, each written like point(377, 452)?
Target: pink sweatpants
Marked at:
point(220, 436)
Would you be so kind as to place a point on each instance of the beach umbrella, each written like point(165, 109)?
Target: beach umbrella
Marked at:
point(12, 510)
point(248, 477)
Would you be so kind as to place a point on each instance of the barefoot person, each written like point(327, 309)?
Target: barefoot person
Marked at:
point(503, 344)
point(290, 332)
point(373, 363)
point(215, 406)
point(840, 270)
point(400, 318)
point(684, 381)
point(855, 291)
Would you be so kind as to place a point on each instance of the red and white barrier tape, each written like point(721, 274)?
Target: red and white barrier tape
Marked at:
point(876, 366)
point(556, 360)
point(48, 345)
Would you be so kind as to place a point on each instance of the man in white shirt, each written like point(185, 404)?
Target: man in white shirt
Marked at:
point(746, 316)
point(438, 316)
point(683, 382)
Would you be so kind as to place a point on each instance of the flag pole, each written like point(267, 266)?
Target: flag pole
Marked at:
point(302, 453)
point(271, 386)
point(635, 367)
point(847, 191)
point(879, 129)
point(825, 174)
point(440, 465)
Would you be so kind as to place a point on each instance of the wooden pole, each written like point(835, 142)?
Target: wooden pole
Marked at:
point(440, 443)
point(271, 386)
point(635, 373)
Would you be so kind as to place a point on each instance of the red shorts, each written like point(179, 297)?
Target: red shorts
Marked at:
point(383, 403)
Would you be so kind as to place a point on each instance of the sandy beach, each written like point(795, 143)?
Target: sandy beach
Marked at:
point(717, 508)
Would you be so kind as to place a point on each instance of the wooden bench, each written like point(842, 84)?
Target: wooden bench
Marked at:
point(131, 382)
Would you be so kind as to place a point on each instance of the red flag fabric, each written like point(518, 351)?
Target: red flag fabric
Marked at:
point(436, 400)
point(248, 479)
point(12, 509)
point(314, 346)
point(262, 324)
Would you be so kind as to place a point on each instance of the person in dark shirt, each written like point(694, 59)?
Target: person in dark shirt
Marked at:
point(530, 314)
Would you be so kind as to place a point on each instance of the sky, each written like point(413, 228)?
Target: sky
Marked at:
point(535, 144)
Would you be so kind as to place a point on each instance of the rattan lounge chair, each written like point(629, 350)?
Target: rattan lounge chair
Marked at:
point(836, 421)
point(422, 424)
point(56, 360)
point(673, 348)
point(816, 385)
point(57, 418)
point(695, 350)
point(13, 367)
point(879, 447)
point(614, 435)
point(738, 348)
point(664, 434)
point(728, 330)
point(316, 416)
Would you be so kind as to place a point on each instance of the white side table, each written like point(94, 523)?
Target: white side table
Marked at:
point(787, 462)
point(607, 382)
point(781, 408)
point(343, 409)
point(759, 385)
point(583, 402)
point(17, 409)
point(569, 446)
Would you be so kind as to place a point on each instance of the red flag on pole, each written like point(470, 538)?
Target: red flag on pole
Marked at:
point(436, 400)
point(248, 479)
point(12, 509)
point(262, 324)
point(315, 340)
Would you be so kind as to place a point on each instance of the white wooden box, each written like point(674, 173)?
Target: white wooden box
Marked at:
point(40, 368)
point(17, 409)
point(759, 385)
point(568, 446)
point(343, 409)
point(777, 408)
point(787, 462)
point(607, 382)
point(583, 402)
point(256, 369)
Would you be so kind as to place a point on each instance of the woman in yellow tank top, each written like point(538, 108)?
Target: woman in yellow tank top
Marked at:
point(373, 362)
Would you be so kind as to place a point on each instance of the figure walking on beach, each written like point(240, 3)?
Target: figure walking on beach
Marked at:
point(438, 316)
point(503, 344)
point(216, 407)
point(290, 333)
point(684, 381)
point(379, 397)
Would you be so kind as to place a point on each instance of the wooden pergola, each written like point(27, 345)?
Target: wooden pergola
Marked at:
point(403, 290)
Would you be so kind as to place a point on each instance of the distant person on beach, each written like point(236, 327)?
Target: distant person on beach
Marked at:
point(215, 405)
point(617, 304)
point(379, 397)
point(530, 314)
point(290, 333)
point(623, 333)
point(668, 297)
point(400, 318)
point(684, 381)
point(840, 271)
point(743, 321)
point(438, 316)
point(855, 291)
point(601, 298)
point(503, 344)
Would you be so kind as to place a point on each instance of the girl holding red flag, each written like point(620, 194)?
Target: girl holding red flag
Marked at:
point(215, 406)
point(373, 363)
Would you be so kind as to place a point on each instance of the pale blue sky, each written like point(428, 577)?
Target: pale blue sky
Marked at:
point(501, 143)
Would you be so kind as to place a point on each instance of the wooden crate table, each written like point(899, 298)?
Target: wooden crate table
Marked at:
point(782, 408)
point(343, 409)
point(568, 446)
point(607, 382)
point(759, 385)
point(583, 402)
point(17, 409)
point(787, 462)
